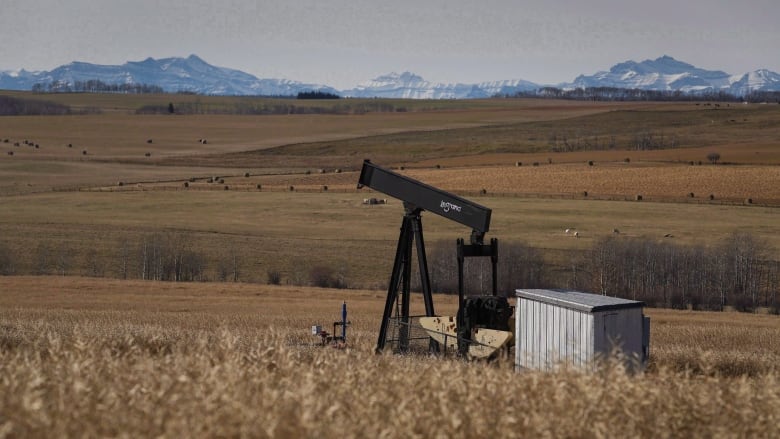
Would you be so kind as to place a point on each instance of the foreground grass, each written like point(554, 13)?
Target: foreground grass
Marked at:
point(126, 360)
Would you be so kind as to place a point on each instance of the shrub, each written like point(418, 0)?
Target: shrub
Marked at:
point(186, 184)
point(326, 277)
point(713, 157)
point(590, 162)
point(712, 197)
point(518, 164)
point(627, 160)
point(246, 175)
point(639, 197)
point(274, 277)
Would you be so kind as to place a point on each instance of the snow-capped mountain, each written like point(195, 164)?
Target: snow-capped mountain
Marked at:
point(190, 74)
point(668, 74)
point(410, 86)
point(758, 80)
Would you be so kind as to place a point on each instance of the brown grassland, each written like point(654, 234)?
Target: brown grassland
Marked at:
point(91, 357)
point(99, 356)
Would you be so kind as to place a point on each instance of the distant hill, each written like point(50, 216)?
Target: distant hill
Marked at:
point(194, 75)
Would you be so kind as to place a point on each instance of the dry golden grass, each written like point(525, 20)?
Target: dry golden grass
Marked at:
point(626, 180)
point(86, 357)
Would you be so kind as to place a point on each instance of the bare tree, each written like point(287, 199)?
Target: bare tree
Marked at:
point(713, 157)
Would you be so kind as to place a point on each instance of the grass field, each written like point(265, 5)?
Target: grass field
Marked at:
point(101, 358)
point(96, 356)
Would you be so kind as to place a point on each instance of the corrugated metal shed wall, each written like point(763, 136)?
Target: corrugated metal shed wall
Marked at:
point(548, 334)
point(552, 327)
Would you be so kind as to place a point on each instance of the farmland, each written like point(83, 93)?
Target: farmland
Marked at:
point(93, 357)
point(89, 348)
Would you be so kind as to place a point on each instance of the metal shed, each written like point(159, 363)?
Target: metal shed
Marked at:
point(564, 326)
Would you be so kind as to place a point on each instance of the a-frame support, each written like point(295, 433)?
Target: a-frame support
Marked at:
point(411, 232)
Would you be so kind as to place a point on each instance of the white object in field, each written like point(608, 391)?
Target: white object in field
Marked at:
point(315, 330)
point(563, 326)
point(444, 330)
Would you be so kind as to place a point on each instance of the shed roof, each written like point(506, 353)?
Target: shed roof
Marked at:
point(578, 300)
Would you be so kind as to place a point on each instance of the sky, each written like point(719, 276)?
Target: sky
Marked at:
point(344, 42)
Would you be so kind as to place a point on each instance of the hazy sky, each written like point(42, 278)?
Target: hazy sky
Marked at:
point(344, 42)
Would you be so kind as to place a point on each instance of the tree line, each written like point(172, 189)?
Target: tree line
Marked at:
point(736, 272)
point(95, 86)
point(635, 94)
point(11, 106)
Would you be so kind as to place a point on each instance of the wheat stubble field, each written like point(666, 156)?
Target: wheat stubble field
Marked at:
point(99, 356)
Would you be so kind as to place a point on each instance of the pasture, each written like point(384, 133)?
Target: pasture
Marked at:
point(88, 349)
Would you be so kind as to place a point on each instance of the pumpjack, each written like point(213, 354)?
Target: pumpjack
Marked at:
point(481, 327)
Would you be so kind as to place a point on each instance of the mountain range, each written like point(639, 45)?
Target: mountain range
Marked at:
point(192, 74)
